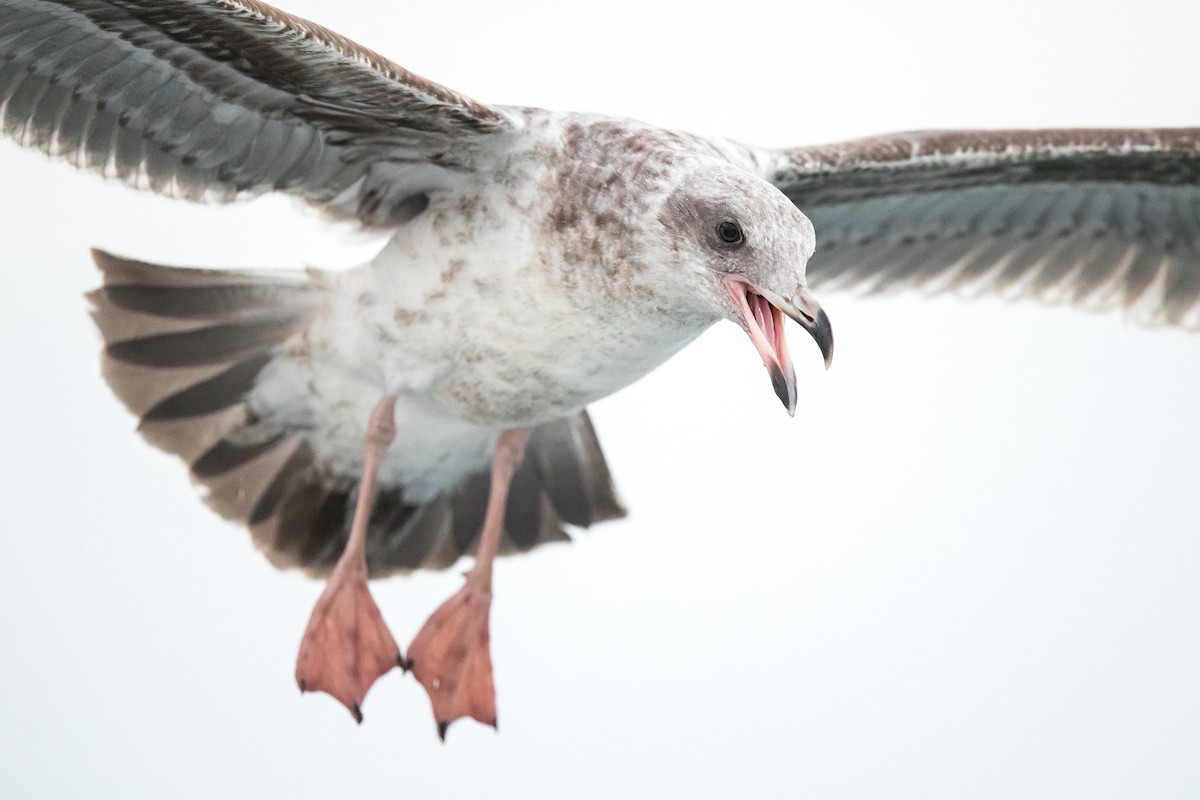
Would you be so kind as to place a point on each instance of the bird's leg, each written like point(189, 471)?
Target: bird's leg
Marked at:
point(451, 656)
point(347, 646)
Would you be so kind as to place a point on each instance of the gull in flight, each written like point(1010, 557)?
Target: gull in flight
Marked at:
point(432, 403)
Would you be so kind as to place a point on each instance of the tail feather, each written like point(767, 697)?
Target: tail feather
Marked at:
point(210, 395)
point(572, 469)
point(183, 349)
point(192, 437)
point(233, 342)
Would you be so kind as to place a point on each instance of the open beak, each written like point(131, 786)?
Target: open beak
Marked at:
point(762, 315)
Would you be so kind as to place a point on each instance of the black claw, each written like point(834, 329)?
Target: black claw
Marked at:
point(357, 712)
point(303, 686)
point(403, 663)
point(496, 725)
point(442, 726)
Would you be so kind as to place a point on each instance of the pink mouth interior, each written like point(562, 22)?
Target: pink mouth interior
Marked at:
point(770, 321)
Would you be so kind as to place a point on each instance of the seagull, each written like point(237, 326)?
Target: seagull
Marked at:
point(431, 403)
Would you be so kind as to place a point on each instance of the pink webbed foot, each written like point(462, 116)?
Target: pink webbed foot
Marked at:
point(347, 646)
point(451, 657)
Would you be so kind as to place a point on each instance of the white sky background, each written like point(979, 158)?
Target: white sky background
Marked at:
point(968, 568)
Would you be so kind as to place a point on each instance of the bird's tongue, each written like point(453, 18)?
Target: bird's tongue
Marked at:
point(765, 324)
point(770, 322)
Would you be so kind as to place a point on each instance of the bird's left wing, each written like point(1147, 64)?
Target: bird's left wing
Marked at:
point(214, 99)
point(1094, 217)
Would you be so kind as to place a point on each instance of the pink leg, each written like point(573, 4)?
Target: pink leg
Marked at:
point(347, 646)
point(451, 656)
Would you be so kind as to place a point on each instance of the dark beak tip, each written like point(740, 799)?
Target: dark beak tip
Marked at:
point(823, 333)
point(784, 390)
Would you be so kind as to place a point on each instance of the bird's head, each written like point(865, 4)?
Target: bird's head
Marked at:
point(744, 247)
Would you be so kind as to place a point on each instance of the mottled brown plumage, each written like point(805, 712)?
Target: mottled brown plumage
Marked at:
point(537, 261)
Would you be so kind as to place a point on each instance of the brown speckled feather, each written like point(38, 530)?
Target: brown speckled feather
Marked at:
point(188, 386)
point(1099, 218)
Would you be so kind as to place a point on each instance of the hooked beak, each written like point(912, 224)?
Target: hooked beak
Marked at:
point(762, 316)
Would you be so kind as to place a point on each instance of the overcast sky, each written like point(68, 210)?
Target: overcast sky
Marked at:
point(968, 568)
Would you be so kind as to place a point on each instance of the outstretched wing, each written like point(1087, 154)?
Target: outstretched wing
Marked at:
point(211, 99)
point(1098, 218)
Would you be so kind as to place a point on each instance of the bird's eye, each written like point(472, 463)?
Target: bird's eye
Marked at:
point(730, 232)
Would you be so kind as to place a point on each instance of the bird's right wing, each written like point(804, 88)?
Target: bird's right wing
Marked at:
point(213, 99)
point(1099, 218)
